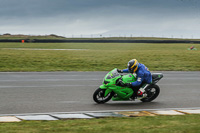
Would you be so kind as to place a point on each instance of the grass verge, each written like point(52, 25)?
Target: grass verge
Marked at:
point(157, 124)
point(97, 56)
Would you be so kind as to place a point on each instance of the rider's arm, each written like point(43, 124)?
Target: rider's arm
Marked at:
point(125, 70)
point(139, 80)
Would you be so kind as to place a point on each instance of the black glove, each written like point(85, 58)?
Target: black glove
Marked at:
point(119, 71)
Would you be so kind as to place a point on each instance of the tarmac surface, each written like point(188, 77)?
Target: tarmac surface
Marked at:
point(42, 92)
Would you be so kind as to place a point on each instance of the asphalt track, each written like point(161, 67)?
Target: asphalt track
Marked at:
point(42, 92)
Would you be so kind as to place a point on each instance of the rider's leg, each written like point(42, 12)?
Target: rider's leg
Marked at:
point(135, 90)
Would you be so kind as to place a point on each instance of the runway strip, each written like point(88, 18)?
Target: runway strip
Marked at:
point(41, 92)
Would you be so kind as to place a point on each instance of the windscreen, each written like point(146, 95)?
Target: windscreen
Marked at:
point(113, 74)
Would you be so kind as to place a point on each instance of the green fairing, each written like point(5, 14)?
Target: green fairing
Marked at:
point(123, 94)
point(103, 87)
point(107, 92)
point(109, 83)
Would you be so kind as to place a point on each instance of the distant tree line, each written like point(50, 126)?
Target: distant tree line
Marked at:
point(96, 41)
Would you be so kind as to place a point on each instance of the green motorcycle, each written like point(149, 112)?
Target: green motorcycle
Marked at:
point(112, 89)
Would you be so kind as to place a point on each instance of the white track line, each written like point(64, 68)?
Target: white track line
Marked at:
point(102, 111)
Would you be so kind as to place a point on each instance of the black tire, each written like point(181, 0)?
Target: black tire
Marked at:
point(151, 95)
point(98, 96)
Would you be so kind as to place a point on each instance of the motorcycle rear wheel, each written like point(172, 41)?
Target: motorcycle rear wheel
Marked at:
point(99, 97)
point(152, 94)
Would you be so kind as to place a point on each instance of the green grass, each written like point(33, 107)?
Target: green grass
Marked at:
point(157, 124)
point(52, 36)
point(97, 56)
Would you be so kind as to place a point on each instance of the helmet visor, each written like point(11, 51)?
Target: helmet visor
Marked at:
point(132, 70)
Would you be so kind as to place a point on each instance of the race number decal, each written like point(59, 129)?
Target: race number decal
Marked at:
point(139, 79)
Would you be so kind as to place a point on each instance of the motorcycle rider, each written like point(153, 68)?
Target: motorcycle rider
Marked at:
point(143, 77)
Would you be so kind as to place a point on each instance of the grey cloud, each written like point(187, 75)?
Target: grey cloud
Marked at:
point(36, 8)
point(99, 16)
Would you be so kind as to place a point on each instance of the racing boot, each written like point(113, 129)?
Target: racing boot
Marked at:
point(139, 94)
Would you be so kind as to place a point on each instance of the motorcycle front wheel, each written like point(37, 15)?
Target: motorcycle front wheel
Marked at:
point(99, 97)
point(152, 93)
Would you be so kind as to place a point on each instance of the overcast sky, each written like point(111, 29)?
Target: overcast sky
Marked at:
point(162, 18)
